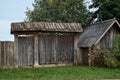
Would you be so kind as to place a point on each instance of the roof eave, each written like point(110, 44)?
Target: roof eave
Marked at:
point(13, 32)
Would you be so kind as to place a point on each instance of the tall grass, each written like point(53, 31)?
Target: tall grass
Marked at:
point(60, 73)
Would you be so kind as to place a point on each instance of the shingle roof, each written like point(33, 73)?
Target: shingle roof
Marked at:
point(95, 32)
point(46, 26)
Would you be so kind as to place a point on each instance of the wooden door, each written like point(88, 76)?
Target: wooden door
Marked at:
point(85, 56)
point(55, 48)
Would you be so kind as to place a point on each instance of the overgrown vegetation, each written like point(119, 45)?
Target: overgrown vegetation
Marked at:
point(59, 11)
point(106, 9)
point(60, 73)
point(110, 58)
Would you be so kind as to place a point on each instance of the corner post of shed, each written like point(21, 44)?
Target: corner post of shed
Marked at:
point(77, 54)
point(90, 56)
point(36, 53)
point(16, 50)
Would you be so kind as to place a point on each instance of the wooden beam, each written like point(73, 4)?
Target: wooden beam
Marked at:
point(16, 50)
point(77, 53)
point(36, 60)
point(93, 54)
point(90, 56)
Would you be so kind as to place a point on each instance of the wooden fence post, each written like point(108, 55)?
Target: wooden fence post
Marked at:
point(36, 50)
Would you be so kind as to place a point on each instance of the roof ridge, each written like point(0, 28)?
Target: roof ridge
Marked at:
point(47, 22)
point(113, 19)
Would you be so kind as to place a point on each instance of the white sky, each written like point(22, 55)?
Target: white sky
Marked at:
point(12, 11)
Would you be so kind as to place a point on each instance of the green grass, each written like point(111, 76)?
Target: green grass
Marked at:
point(60, 73)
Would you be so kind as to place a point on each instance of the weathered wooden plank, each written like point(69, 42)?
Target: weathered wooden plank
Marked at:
point(7, 54)
point(20, 50)
point(25, 53)
point(42, 41)
point(2, 56)
point(16, 50)
point(36, 61)
point(58, 49)
point(47, 50)
point(63, 47)
point(11, 54)
point(70, 37)
point(55, 48)
point(30, 50)
point(68, 59)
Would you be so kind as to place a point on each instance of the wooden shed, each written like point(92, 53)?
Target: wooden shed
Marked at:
point(97, 36)
point(41, 43)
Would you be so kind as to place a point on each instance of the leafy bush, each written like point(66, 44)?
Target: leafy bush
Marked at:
point(110, 58)
point(107, 58)
point(116, 44)
point(111, 62)
point(98, 59)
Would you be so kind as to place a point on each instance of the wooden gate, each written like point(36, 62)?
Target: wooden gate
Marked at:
point(25, 50)
point(52, 48)
point(56, 48)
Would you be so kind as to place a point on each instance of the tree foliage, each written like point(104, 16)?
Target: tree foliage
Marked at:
point(59, 11)
point(106, 9)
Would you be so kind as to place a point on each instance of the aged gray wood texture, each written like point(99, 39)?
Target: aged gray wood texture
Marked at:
point(53, 48)
point(56, 48)
point(107, 41)
point(45, 26)
point(36, 49)
point(25, 50)
point(6, 54)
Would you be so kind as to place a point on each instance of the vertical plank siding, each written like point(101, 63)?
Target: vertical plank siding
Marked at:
point(107, 41)
point(25, 50)
point(6, 54)
point(55, 48)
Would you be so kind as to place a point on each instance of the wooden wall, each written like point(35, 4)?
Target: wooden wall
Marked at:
point(6, 54)
point(25, 50)
point(107, 41)
point(53, 48)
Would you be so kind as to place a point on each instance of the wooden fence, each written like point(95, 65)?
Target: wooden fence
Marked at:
point(6, 54)
point(52, 49)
